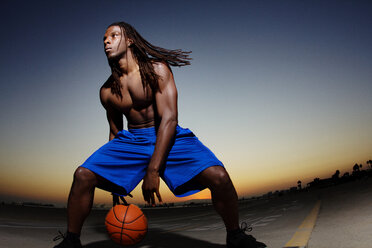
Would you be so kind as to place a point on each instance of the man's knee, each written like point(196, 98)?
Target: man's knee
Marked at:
point(85, 176)
point(218, 177)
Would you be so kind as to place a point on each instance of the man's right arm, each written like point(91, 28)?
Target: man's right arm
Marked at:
point(114, 117)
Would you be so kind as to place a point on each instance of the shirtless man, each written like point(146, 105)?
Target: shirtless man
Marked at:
point(142, 88)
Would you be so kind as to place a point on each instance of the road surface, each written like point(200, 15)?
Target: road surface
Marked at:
point(343, 220)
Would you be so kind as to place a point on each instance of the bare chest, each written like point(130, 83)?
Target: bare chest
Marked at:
point(135, 96)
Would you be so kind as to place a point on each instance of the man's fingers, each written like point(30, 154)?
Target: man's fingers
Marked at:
point(145, 196)
point(159, 196)
point(149, 197)
point(152, 198)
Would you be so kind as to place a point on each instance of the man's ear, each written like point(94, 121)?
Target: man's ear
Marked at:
point(129, 42)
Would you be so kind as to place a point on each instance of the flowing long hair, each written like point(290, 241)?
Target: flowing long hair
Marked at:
point(145, 55)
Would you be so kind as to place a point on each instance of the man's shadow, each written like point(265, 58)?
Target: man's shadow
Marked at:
point(156, 238)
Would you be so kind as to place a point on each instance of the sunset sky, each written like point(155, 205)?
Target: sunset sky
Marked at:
point(280, 91)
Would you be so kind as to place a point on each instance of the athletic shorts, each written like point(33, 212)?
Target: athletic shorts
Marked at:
point(124, 160)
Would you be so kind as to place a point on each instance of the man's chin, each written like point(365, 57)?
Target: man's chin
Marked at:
point(114, 56)
point(111, 57)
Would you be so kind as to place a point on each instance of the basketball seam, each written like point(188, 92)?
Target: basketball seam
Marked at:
point(122, 227)
point(135, 219)
point(139, 230)
point(112, 224)
point(125, 228)
point(123, 221)
point(133, 240)
point(121, 235)
point(135, 230)
point(113, 210)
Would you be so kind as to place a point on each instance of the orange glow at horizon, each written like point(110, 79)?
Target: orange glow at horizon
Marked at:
point(248, 182)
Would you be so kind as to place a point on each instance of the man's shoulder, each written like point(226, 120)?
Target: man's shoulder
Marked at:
point(161, 68)
point(108, 83)
point(105, 92)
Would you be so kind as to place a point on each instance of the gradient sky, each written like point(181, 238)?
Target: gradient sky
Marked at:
point(280, 90)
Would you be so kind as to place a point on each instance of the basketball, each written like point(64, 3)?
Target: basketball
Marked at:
point(126, 224)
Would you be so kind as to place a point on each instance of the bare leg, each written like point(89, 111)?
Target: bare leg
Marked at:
point(224, 196)
point(80, 199)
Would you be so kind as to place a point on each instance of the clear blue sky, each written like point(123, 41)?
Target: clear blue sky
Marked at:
point(279, 90)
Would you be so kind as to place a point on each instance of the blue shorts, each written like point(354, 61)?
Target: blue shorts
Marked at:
point(124, 160)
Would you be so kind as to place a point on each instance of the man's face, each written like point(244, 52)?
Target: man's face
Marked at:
point(115, 43)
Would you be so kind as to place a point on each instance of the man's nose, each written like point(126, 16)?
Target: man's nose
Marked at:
point(106, 41)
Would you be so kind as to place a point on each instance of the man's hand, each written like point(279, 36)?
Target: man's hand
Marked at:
point(150, 186)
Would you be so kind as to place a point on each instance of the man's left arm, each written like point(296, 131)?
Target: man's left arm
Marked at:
point(166, 106)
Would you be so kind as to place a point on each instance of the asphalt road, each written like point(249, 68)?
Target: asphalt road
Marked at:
point(344, 220)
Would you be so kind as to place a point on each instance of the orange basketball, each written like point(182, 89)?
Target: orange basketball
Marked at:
point(126, 224)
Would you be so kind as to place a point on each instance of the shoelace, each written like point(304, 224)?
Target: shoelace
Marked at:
point(245, 227)
point(59, 236)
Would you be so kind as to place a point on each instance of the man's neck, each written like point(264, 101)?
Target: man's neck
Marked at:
point(127, 63)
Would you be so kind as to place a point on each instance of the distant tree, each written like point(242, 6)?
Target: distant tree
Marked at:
point(356, 167)
point(299, 184)
point(336, 176)
point(369, 162)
